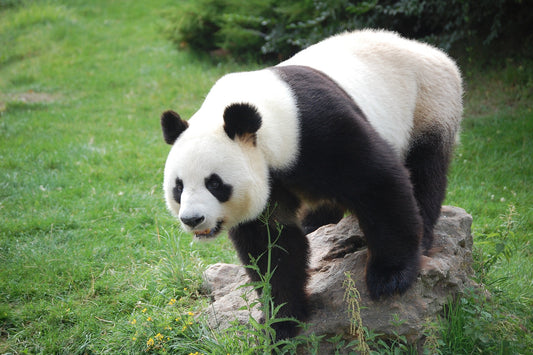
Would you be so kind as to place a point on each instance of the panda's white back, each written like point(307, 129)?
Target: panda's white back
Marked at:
point(401, 86)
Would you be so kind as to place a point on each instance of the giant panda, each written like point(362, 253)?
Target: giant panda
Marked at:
point(362, 122)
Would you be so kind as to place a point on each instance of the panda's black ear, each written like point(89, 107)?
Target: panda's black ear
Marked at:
point(241, 120)
point(172, 126)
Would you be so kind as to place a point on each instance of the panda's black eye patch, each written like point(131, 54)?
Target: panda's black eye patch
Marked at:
point(218, 188)
point(177, 190)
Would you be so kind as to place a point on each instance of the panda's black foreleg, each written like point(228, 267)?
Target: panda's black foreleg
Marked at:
point(289, 259)
point(389, 217)
point(428, 161)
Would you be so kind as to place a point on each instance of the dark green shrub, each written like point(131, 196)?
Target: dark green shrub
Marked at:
point(302, 23)
point(233, 25)
point(278, 28)
point(447, 22)
point(4, 4)
point(258, 29)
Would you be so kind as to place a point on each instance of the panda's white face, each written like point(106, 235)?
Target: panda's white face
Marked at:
point(212, 182)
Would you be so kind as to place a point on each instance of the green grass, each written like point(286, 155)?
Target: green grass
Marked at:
point(86, 243)
point(492, 178)
point(81, 158)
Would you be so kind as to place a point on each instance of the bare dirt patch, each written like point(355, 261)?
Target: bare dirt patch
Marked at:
point(31, 97)
point(28, 97)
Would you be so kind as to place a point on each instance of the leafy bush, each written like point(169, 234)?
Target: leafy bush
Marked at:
point(207, 25)
point(259, 29)
point(278, 28)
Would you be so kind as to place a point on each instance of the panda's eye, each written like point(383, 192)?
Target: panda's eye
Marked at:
point(178, 190)
point(218, 188)
point(213, 182)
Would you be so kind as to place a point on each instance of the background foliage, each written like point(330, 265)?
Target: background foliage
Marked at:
point(278, 28)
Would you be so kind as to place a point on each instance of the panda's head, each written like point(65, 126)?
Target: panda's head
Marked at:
point(215, 177)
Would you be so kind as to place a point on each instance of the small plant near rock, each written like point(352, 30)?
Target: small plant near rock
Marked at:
point(352, 297)
point(432, 342)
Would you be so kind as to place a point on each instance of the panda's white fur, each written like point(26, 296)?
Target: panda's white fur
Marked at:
point(278, 137)
point(403, 87)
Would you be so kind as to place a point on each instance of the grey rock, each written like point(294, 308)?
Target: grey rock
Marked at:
point(338, 249)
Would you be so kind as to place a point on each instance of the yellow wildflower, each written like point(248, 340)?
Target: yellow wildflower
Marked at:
point(150, 342)
point(191, 313)
point(159, 336)
point(172, 301)
point(149, 319)
point(144, 310)
point(133, 338)
point(134, 321)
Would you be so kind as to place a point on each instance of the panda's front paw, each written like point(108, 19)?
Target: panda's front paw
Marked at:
point(384, 281)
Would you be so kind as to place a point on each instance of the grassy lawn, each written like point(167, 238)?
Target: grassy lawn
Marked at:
point(91, 261)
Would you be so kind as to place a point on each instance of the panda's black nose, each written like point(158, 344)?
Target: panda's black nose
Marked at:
point(192, 221)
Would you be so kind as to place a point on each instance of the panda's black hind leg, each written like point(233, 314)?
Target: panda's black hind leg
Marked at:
point(427, 162)
point(289, 266)
point(321, 215)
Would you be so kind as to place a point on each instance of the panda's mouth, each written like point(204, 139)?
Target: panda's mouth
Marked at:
point(209, 233)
